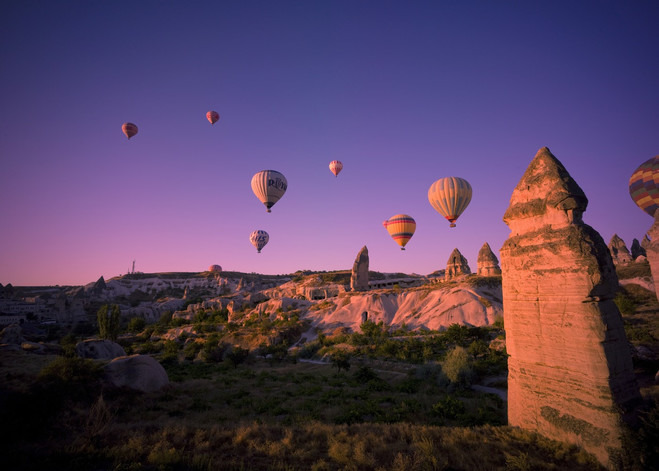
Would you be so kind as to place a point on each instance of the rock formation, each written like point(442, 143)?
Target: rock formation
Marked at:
point(139, 372)
point(99, 349)
point(359, 277)
point(488, 263)
point(570, 374)
point(619, 251)
point(12, 335)
point(637, 250)
point(456, 266)
point(652, 251)
point(645, 242)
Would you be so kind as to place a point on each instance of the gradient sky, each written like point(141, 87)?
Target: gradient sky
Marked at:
point(404, 93)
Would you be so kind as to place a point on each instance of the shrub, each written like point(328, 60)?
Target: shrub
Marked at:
point(136, 324)
point(457, 366)
point(108, 318)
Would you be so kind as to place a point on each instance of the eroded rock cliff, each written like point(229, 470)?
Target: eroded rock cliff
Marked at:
point(570, 369)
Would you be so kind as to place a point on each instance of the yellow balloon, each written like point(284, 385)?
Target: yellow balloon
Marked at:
point(401, 228)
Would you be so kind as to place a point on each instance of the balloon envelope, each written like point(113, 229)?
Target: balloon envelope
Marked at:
point(129, 129)
point(213, 117)
point(269, 186)
point(258, 239)
point(401, 228)
point(450, 197)
point(335, 167)
point(644, 186)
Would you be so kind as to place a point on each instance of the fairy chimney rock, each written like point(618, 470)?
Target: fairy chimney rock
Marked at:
point(488, 263)
point(637, 250)
point(456, 266)
point(570, 373)
point(619, 251)
point(359, 277)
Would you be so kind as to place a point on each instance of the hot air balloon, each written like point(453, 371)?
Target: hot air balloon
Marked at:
point(213, 117)
point(269, 186)
point(129, 129)
point(335, 167)
point(401, 228)
point(644, 186)
point(258, 239)
point(450, 197)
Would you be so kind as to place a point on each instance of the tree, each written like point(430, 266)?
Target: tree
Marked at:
point(340, 360)
point(108, 318)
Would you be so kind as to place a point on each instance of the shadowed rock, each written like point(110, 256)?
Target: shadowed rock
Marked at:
point(637, 250)
point(99, 349)
point(488, 263)
point(570, 370)
point(619, 251)
point(456, 266)
point(359, 277)
point(139, 372)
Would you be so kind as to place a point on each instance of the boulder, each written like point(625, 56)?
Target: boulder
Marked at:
point(359, 277)
point(570, 372)
point(619, 251)
point(488, 263)
point(99, 349)
point(12, 334)
point(139, 372)
point(456, 266)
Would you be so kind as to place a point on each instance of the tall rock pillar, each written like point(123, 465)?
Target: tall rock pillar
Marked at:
point(570, 374)
point(359, 277)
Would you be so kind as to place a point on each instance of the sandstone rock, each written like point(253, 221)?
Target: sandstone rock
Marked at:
point(645, 242)
point(569, 368)
point(359, 278)
point(12, 334)
point(99, 349)
point(99, 286)
point(139, 372)
point(456, 266)
point(619, 251)
point(652, 252)
point(637, 250)
point(488, 263)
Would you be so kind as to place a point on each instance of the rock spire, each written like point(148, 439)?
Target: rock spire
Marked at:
point(456, 266)
point(619, 251)
point(637, 250)
point(488, 263)
point(570, 374)
point(359, 277)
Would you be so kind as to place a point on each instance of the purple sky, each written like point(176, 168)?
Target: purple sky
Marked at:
point(403, 93)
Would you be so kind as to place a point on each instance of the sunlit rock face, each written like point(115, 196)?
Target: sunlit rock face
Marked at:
point(619, 251)
point(488, 263)
point(456, 266)
point(570, 374)
point(652, 251)
point(359, 277)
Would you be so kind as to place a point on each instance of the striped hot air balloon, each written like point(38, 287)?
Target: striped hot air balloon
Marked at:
point(213, 117)
point(335, 167)
point(269, 186)
point(401, 228)
point(129, 129)
point(258, 239)
point(450, 196)
point(644, 186)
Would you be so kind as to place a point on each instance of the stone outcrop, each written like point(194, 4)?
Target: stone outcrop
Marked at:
point(456, 266)
point(11, 335)
point(359, 277)
point(139, 372)
point(99, 349)
point(488, 263)
point(652, 251)
point(570, 373)
point(637, 250)
point(619, 251)
point(645, 242)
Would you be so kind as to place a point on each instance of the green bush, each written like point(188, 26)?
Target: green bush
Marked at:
point(457, 366)
point(136, 324)
point(625, 303)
